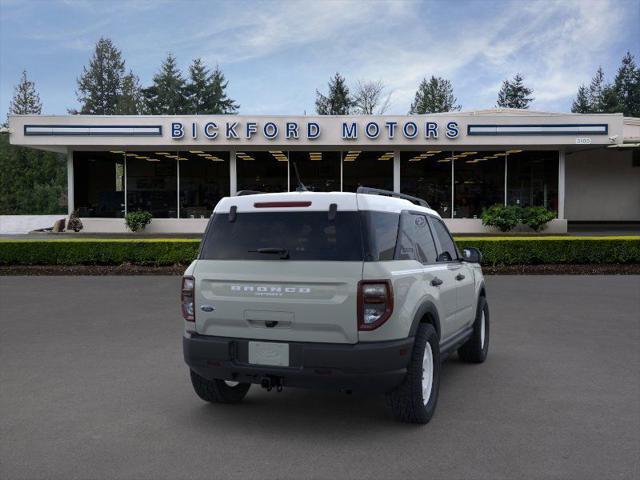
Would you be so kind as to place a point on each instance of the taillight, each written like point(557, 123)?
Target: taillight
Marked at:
point(375, 303)
point(188, 309)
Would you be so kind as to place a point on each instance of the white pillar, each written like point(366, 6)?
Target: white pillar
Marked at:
point(453, 183)
point(289, 174)
point(177, 188)
point(561, 176)
point(396, 171)
point(70, 189)
point(233, 177)
point(125, 186)
point(506, 168)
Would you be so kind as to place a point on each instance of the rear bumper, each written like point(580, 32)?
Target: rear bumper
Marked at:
point(371, 367)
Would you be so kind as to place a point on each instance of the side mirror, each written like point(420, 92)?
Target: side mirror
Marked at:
point(471, 255)
point(444, 257)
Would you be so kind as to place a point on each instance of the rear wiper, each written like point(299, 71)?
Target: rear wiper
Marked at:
point(284, 253)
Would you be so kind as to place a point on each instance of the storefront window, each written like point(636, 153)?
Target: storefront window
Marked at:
point(427, 174)
point(369, 169)
point(152, 178)
point(152, 183)
point(319, 171)
point(204, 180)
point(262, 171)
point(99, 184)
point(532, 178)
point(478, 182)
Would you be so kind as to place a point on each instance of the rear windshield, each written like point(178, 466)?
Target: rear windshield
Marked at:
point(302, 235)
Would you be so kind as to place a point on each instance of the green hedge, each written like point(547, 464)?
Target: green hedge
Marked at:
point(569, 250)
point(495, 250)
point(98, 252)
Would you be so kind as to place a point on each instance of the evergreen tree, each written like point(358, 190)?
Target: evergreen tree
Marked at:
point(130, 101)
point(621, 96)
point(338, 101)
point(31, 181)
point(514, 94)
point(206, 91)
point(602, 97)
point(596, 91)
point(25, 99)
point(100, 85)
point(627, 86)
point(167, 95)
point(610, 101)
point(433, 96)
point(218, 100)
point(196, 89)
point(581, 104)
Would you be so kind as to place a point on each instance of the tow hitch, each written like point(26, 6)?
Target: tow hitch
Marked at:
point(269, 382)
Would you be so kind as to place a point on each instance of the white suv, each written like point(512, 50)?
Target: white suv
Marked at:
point(350, 291)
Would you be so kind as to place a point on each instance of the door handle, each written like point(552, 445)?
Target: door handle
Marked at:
point(436, 282)
point(460, 277)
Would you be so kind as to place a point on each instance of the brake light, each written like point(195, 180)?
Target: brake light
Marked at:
point(281, 204)
point(375, 303)
point(186, 298)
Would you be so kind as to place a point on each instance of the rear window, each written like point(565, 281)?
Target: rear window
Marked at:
point(380, 232)
point(303, 235)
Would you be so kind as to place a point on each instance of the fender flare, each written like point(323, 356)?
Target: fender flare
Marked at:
point(427, 307)
point(482, 291)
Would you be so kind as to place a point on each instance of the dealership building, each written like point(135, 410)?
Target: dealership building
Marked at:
point(586, 168)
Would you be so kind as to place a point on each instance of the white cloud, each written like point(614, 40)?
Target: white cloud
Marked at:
point(256, 33)
point(553, 47)
point(556, 45)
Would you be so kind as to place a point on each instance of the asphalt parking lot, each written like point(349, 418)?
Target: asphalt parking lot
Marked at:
point(92, 385)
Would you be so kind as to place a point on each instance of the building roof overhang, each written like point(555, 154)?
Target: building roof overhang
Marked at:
point(478, 128)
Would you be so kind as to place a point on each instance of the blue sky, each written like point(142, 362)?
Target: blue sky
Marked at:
point(276, 53)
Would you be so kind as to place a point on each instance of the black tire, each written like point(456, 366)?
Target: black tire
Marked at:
point(217, 391)
point(406, 401)
point(475, 350)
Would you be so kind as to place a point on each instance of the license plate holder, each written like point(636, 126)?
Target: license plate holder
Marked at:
point(269, 353)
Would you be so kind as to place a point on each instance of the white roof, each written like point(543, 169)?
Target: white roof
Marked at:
point(317, 201)
point(497, 111)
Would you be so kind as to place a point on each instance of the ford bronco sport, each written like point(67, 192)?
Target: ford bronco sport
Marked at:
point(352, 291)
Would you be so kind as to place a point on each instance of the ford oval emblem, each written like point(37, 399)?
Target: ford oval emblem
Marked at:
point(207, 308)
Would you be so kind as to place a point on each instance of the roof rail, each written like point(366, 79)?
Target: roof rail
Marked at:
point(389, 193)
point(242, 193)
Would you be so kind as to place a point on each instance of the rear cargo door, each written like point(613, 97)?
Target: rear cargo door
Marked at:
point(278, 300)
point(280, 275)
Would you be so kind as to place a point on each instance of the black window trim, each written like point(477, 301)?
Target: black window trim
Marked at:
point(434, 238)
point(433, 218)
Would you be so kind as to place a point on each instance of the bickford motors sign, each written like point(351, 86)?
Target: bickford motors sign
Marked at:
point(295, 130)
point(233, 131)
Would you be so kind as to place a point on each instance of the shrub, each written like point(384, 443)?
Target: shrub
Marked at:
point(504, 218)
point(537, 217)
point(495, 251)
point(74, 223)
point(74, 251)
point(508, 217)
point(564, 250)
point(137, 220)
